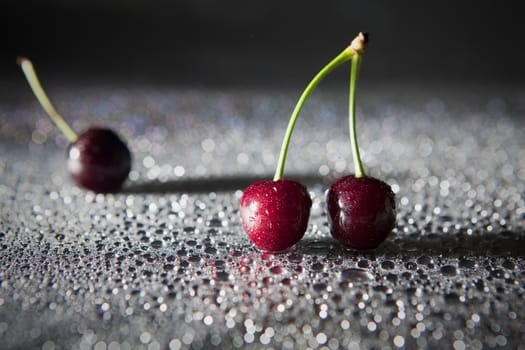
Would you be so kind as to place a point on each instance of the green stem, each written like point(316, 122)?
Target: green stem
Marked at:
point(34, 83)
point(354, 73)
point(343, 57)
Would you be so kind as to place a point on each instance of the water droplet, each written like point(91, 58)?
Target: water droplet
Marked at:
point(219, 264)
point(392, 277)
point(509, 265)
point(235, 252)
point(467, 263)
point(221, 276)
point(286, 281)
point(295, 258)
point(156, 244)
point(448, 270)
point(266, 256)
point(267, 280)
point(277, 270)
point(499, 273)
point(215, 222)
point(424, 260)
point(316, 248)
point(194, 258)
point(383, 289)
point(452, 298)
point(388, 265)
point(319, 287)
point(411, 266)
point(317, 266)
point(210, 250)
point(355, 275)
point(363, 263)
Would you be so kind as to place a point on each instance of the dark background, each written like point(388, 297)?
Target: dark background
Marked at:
point(262, 43)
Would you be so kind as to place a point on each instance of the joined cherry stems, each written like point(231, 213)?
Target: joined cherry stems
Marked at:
point(354, 50)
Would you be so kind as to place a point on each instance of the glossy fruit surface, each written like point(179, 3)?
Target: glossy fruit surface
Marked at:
point(361, 211)
point(275, 214)
point(99, 160)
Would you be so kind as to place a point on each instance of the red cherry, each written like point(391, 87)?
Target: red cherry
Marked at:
point(275, 214)
point(361, 211)
point(99, 160)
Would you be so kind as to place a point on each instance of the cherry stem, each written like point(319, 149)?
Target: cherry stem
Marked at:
point(354, 73)
point(34, 83)
point(343, 57)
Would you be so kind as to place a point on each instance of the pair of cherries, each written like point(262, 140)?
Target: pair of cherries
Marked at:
point(361, 209)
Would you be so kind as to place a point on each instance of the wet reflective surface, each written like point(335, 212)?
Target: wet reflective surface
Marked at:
point(166, 265)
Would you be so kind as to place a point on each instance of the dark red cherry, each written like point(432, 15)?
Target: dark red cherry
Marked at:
point(361, 211)
point(275, 214)
point(99, 160)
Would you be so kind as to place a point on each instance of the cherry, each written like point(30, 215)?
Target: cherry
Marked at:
point(98, 159)
point(275, 213)
point(361, 209)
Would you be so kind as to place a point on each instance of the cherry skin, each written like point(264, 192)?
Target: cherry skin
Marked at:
point(99, 160)
point(361, 211)
point(275, 214)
